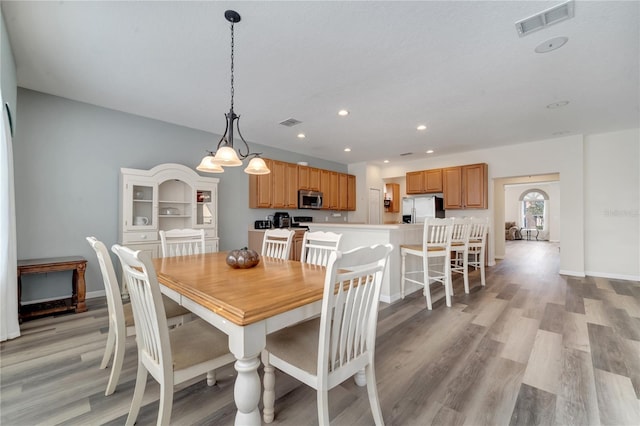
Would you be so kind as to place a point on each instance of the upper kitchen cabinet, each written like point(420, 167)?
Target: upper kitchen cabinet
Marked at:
point(279, 189)
point(168, 196)
point(309, 178)
point(291, 186)
point(415, 182)
point(260, 188)
point(424, 181)
point(465, 187)
point(433, 181)
point(343, 188)
point(351, 193)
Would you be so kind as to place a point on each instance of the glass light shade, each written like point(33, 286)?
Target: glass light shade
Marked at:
point(226, 156)
point(207, 165)
point(257, 166)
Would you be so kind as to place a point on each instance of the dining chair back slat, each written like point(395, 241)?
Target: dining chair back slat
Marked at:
point(318, 246)
point(182, 242)
point(277, 243)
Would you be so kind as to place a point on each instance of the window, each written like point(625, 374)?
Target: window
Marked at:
point(533, 209)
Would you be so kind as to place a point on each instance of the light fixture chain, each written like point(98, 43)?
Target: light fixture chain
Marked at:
point(232, 44)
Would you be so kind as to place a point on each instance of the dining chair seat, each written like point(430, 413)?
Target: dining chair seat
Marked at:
point(172, 309)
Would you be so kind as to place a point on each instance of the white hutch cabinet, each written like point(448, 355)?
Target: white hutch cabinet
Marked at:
point(166, 197)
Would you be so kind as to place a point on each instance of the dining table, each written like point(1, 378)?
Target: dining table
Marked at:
point(245, 304)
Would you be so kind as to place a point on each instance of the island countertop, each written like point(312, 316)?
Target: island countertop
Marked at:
point(365, 225)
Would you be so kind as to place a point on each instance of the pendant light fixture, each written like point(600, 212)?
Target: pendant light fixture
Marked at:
point(226, 155)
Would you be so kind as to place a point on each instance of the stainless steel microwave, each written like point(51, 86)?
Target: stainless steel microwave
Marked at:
point(309, 200)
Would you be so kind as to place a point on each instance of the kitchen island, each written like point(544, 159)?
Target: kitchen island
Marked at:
point(356, 235)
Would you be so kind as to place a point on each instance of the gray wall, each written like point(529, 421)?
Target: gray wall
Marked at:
point(67, 160)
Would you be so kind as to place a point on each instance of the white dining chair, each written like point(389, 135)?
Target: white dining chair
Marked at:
point(182, 242)
point(277, 243)
point(326, 351)
point(318, 246)
point(460, 250)
point(436, 244)
point(477, 245)
point(121, 315)
point(171, 356)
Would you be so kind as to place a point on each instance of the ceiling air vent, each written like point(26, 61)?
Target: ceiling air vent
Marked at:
point(290, 122)
point(545, 18)
point(405, 154)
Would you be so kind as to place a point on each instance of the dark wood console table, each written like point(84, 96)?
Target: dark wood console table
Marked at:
point(74, 303)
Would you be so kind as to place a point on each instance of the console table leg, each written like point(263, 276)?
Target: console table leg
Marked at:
point(80, 288)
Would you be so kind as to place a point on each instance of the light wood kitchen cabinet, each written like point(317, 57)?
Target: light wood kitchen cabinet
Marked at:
point(393, 194)
point(260, 187)
point(415, 182)
point(334, 191)
point(343, 188)
point(308, 178)
point(433, 181)
point(291, 186)
point(465, 187)
point(424, 181)
point(325, 188)
point(279, 189)
point(351, 193)
point(303, 177)
point(279, 184)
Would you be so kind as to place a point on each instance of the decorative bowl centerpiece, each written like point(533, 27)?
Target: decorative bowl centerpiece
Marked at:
point(243, 258)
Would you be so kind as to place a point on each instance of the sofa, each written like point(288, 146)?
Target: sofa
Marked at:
point(511, 231)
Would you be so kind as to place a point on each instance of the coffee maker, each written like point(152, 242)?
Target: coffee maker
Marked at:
point(281, 220)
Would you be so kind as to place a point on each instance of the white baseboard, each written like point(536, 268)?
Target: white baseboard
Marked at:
point(572, 273)
point(613, 276)
point(94, 294)
point(89, 295)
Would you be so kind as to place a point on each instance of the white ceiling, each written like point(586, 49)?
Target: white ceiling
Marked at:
point(458, 67)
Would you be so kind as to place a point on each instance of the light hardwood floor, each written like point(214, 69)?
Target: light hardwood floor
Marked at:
point(533, 347)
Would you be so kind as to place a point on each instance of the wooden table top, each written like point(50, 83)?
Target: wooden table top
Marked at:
point(243, 296)
point(51, 260)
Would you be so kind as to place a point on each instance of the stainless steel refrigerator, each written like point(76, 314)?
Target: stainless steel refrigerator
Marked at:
point(416, 209)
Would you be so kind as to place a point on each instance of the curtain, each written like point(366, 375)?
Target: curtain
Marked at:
point(9, 326)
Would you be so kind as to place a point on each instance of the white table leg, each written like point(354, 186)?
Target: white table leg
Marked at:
point(246, 345)
point(360, 378)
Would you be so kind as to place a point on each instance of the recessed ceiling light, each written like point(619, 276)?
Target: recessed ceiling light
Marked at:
point(551, 44)
point(302, 135)
point(558, 104)
point(347, 150)
point(421, 127)
point(343, 112)
point(430, 151)
point(385, 161)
